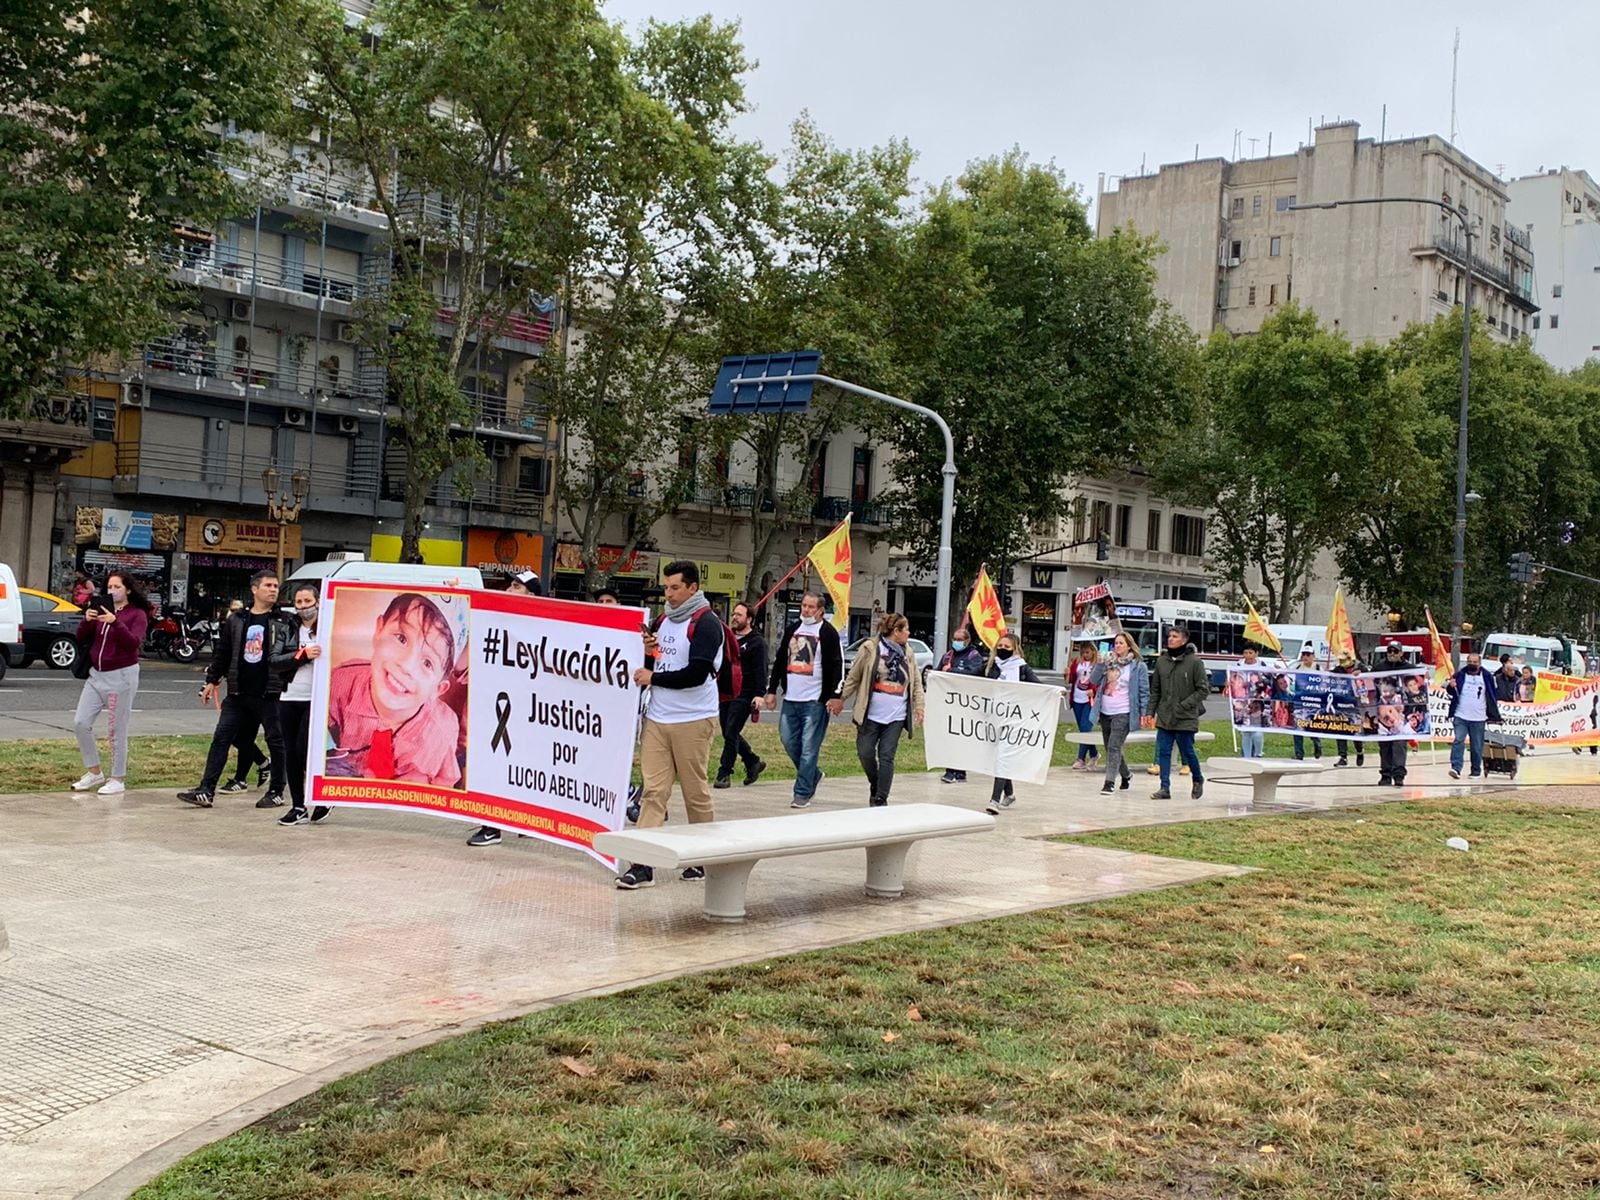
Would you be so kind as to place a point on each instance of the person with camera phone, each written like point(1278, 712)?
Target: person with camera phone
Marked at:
point(112, 630)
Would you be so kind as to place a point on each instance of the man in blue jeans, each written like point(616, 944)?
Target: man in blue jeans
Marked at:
point(1179, 685)
point(1472, 706)
point(808, 667)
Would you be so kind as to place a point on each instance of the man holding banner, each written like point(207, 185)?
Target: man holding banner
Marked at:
point(1392, 752)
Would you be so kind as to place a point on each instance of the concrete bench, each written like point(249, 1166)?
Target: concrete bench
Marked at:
point(729, 850)
point(1139, 737)
point(1264, 773)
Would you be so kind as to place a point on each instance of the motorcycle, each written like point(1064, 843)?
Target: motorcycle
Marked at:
point(168, 638)
point(201, 632)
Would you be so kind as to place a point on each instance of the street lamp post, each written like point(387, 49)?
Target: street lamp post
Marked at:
point(1459, 566)
point(284, 508)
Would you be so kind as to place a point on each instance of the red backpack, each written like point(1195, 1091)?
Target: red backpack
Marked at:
point(730, 676)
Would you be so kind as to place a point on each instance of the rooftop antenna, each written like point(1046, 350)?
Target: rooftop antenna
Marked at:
point(1455, 62)
point(1253, 142)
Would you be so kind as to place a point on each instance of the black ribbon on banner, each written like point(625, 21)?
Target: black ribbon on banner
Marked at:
point(502, 735)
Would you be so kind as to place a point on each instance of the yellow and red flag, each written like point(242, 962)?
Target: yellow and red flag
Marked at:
point(1441, 656)
point(988, 618)
point(1256, 630)
point(1340, 642)
point(831, 558)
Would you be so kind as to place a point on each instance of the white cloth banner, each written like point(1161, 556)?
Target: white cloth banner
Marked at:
point(1007, 730)
point(1573, 720)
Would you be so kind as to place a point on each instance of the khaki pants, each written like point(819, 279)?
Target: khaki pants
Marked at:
point(682, 752)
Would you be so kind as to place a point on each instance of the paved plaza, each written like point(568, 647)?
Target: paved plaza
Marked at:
point(176, 973)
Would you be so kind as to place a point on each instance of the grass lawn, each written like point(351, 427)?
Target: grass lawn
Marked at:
point(49, 765)
point(1370, 1015)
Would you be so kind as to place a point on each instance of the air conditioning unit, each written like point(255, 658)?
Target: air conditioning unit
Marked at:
point(239, 310)
point(294, 416)
point(345, 331)
point(349, 425)
point(501, 450)
point(134, 396)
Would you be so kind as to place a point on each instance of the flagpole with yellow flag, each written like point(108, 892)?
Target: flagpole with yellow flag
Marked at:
point(1441, 656)
point(1341, 643)
point(831, 557)
point(988, 618)
point(1258, 631)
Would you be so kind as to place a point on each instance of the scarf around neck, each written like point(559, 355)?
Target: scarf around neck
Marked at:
point(680, 613)
point(1010, 668)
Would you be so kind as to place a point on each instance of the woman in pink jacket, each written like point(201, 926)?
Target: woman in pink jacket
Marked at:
point(114, 636)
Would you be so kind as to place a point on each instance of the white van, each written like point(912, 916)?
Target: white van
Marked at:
point(355, 566)
point(1293, 637)
point(1541, 653)
point(11, 648)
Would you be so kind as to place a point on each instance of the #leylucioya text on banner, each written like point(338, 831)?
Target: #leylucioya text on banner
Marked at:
point(513, 711)
point(1007, 730)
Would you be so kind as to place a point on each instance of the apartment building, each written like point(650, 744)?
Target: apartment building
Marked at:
point(1239, 242)
point(1559, 211)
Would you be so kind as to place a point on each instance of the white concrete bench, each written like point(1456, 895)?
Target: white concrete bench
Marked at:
point(1139, 737)
point(729, 850)
point(1264, 773)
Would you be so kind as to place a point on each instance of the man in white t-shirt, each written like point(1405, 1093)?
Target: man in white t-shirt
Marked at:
point(682, 658)
point(809, 667)
point(1472, 706)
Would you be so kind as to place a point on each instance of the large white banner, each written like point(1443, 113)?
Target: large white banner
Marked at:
point(1573, 720)
point(1007, 730)
point(506, 710)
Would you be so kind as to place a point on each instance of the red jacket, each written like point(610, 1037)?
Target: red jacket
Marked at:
point(115, 646)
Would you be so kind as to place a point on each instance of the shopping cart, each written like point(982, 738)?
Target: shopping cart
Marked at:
point(1501, 752)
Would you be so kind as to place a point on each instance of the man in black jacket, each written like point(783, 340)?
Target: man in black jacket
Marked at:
point(255, 647)
point(734, 713)
point(809, 666)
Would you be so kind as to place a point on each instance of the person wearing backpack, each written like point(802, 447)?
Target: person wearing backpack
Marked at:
point(684, 660)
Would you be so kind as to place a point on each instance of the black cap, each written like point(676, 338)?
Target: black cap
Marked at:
point(531, 581)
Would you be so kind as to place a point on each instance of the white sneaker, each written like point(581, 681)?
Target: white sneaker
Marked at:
point(91, 779)
point(113, 787)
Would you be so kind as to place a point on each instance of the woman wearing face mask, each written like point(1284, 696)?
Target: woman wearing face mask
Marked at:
point(294, 707)
point(1007, 665)
point(114, 636)
point(1121, 688)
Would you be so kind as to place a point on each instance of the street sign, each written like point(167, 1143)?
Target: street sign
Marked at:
point(730, 396)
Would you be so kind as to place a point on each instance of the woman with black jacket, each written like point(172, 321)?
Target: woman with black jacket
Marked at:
point(1007, 664)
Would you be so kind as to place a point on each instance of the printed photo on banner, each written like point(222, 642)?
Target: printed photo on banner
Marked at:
point(1094, 614)
point(1378, 706)
point(397, 687)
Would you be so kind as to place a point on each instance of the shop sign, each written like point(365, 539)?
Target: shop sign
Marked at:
point(641, 564)
point(122, 529)
point(436, 552)
point(501, 553)
point(145, 566)
point(225, 535)
point(724, 578)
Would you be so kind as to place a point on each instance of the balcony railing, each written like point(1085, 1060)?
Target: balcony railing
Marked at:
point(863, 512)
point(204, 361)
point(216, 262)
point(509, 415)
point(192, 465)
point(276, 176)
point(535, 327)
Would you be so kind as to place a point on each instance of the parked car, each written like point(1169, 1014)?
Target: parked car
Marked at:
point(48, 626)
point(919, 651)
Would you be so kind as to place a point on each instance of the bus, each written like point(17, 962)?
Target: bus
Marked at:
point(1218, 636)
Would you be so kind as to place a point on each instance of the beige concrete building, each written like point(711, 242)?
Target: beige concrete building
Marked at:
point(1236, 247)
point(1560, 213)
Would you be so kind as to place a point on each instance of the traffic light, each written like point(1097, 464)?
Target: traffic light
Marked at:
point(1102, 547)
point(1521, 567)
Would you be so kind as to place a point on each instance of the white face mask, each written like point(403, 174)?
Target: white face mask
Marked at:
point(308, 614)
point(117, 594)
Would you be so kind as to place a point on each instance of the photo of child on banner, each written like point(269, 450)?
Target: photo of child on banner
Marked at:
point(1376, 706)
point(1094, 614)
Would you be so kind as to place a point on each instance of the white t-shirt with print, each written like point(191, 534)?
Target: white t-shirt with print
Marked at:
point(890, 687)
point(1081, 672)
point(1114, 693)
point(804, 678)
point(1472, 706)
point(676, 706)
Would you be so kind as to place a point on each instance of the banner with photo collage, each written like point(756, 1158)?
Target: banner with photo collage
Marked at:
point(1374, 706)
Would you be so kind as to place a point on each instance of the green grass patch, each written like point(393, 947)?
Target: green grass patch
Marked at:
point(165, 761)
point(1370, 1015)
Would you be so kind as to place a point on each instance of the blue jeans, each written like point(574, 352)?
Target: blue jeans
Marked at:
point(1468, 731)
point(1084, 713)
point(1253, 744)
point(802, 725)
point(1185, 740)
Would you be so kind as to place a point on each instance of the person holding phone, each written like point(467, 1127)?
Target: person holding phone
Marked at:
point(113, 627)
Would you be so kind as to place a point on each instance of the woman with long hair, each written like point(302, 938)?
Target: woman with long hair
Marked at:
point(114, 632)
point(294, 707)
point(884, 691)
point(1121, 693)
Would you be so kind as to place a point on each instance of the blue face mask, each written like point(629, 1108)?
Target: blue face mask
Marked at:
point(958, 645)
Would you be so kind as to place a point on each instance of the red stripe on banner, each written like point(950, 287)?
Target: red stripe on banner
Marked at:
point(475, 806)
point(606, 616)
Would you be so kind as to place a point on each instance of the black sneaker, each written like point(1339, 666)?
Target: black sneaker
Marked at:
point(270, 800)
point(723, 781)
point(1198, 790)
point(635, 797)
point(1107, 788)
point(693, 873)
point(635, 877)
point(487, 836)
point(233, 787)
point(949, 777)
point(1343, 762)
point(295, 816)
point(199, 797)
point(753, 772)
point(1361, 759)
point(263, 772)
point(320, 813)
point(1161, 794)
point(877, 802)
point(800, 802)
point(1127, 781)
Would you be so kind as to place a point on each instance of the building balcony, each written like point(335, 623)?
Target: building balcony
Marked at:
point(861, 512)
point(520, 332)
point(344, 198)
point(243, 274)
point(507, 417)
point(187, 472)
point(335, 383)
point(1453, 249)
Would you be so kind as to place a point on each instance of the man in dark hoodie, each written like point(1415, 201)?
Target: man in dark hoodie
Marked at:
point(1179, 686)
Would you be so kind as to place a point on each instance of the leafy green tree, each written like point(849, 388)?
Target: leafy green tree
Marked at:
point(1279, 453)
point(1044, 347)
point(108, 137)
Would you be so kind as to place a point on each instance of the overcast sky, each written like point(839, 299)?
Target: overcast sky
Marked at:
point(1096, 88)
